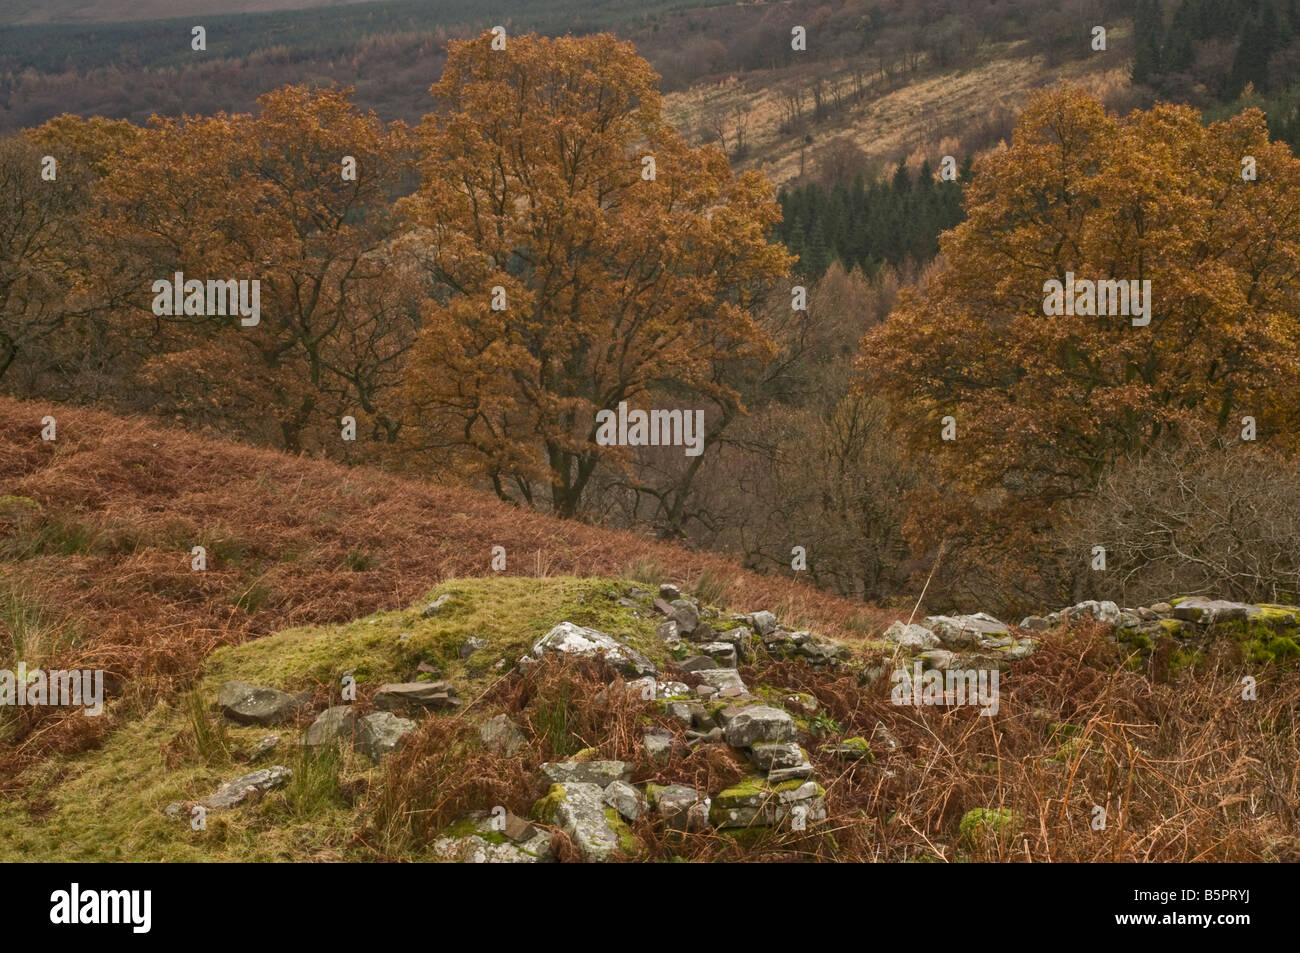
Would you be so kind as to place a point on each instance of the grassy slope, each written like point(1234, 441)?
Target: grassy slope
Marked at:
point(96, 536)
point(106, 804)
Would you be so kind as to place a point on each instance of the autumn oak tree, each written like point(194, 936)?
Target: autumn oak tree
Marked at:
point(267, 197)
point(625, 264)
point(1044, 404)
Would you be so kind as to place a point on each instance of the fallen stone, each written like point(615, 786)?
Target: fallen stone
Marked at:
point(380, 732)
point(415, 697)
point(627, 800)
point(764, 622)
point(579, 809)
point(472, 645)
point(669, 593)
point(602, 773)
point(750, 724)
point(238, 791)
point(332, 726)
point(698, 663)
point(723, 678)
point(436, 606)
point(673, 802)
point(658, 746)
point(502, 736)
point(1209, 611)
point(914, 637)
point(776, 754)
point(962, 631)
point(575, 640)
point(250, 704)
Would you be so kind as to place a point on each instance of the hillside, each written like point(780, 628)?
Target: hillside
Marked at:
point(349, 680)
point(98, 528)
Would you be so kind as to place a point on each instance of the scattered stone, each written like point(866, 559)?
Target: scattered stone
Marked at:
point(380, 732)
point(415, 697)
point(698, 663)
point(667, 630)
point(436, 606)
point(801, 702)
point(938, 659)
point(795, 772)
point(721, 679)
point(669, 593)
point(963, 631)
point(764, 623)
point(478, 839)
point(264, 747)
point(233, 793)
point(627, 800)
point(658, 746)
point(332, 726)
point(882, 737)
point(502, 736)
point(747, 725)
point(674, 803)
point(1107, 613)
point(575, 640)
point(472, 645)
point(586, 772)
point(1035, 623)
point(686, 615)
point(579, 809)
point(777, 754)
point(1209, 611)
point(914, 637)
point(722, 653)
point(714, 735)
point(257, 705)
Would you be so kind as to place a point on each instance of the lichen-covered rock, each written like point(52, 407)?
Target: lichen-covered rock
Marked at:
point(963, 631)
point(586, 772)
point(332, 726)
point(912, 637)
point(723, 653)
point(764, 623)
point(250, 704)
point(750, 724)
point(850, 749)
point(1209, 611)
point(380, 732)
point(480, 839)
point(436, 606)
point(579, 809)
point(627, 800)
point(575, 640)
point(777, 754)
point(1104, 612)
point(235, 792)
point(675, 804)
point(721, 679)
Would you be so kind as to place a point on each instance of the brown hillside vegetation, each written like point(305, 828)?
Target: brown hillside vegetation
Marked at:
point(105, 560)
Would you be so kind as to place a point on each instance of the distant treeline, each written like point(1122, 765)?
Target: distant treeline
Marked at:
point(867, 226)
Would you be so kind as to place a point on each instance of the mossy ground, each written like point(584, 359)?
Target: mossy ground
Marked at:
point(107, 804)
